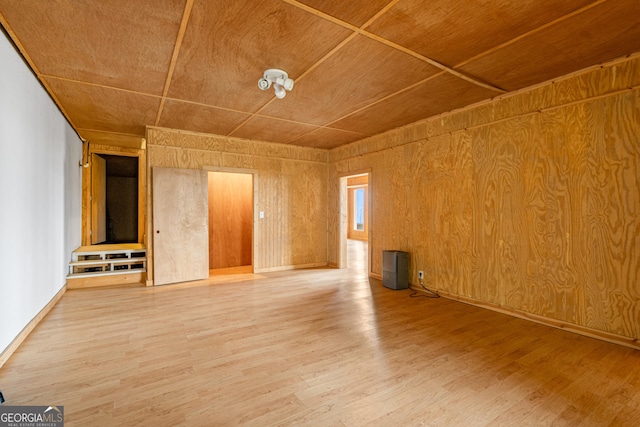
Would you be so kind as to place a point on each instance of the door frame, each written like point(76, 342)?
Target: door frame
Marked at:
point(256, 213)
point(343, 218)
point(86, 188)
point(98, 229)
point(352, 233)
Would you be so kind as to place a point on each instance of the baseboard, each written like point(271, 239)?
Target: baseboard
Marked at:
point(290, 267)
point(554, 323)
point(17, 341)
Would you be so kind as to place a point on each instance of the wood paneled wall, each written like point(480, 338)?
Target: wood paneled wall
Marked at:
point(291, 191)
point(528, 204)
point(230, 219)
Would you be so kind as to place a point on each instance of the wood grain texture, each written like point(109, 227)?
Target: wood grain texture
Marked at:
point(117, 147)
point(28, 329)
point(352, 12)
point(106, 54)
point(223, 144)
point(105, 109)
point(608, 218)
point(345, 82)
point(189, 116)
point(98, 199)
point(230, 219)
point(112, 139)
point(291, 190)
point(528, 204)
point(272, 129)
point(317, 347)
point(327, 138)
point(355, 181)
point(545, 50)
point(180, 223)
point(226, 40)
point(129, 279)
point(445, 92)
point(450, 32)
point(550, 289)
point(193, 65)
point(612, 78)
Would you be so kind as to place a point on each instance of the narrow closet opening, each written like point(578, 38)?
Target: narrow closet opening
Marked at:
point(230, 222)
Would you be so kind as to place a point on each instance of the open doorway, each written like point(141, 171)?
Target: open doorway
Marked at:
point(354, 229)
point(114, 199)
point(230, 222)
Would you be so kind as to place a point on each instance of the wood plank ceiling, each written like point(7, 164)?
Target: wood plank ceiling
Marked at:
point(361, 67)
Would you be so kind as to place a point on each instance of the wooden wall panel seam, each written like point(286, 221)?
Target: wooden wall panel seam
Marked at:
point(532, 210)
point(291, 192)
point(468, 128)
point(258, 156)
point(194, 140)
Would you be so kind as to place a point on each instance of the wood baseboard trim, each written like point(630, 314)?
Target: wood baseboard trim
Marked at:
point(554, 323)
point(290, 267)
point(17, 341)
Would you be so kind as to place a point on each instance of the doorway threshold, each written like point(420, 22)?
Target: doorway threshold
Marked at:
point(243, 269)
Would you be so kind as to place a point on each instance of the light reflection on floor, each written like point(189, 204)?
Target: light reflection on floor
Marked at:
point(357, 253)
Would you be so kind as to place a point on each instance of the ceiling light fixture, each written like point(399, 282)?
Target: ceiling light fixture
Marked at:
point(280, 80)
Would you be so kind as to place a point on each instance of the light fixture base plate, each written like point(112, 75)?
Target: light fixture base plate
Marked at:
point(274, 73)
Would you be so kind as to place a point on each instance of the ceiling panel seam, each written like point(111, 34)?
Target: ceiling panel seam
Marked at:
point(174, 58)
point(298, 78)
point(85, 83)
point(430, 61)
point(361, 31)
point(528, 33)
point(108, 132)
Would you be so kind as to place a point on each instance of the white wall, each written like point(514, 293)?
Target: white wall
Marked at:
point(40, 195)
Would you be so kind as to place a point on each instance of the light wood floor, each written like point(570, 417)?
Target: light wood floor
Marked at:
point(317, 347)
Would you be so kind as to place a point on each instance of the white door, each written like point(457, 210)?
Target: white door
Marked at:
point(180, 225)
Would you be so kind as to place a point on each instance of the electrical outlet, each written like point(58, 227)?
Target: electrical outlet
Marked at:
point(420, 274)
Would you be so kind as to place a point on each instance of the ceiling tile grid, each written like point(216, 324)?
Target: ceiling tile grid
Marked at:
point(444, 92)
point(106, 109)
point(360, 67)
point(126, 45)
point(452, 31)
point(360, 73)
point(228, 45)
point(600, 33)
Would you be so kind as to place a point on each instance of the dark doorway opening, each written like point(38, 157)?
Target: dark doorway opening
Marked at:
point(121, 199)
